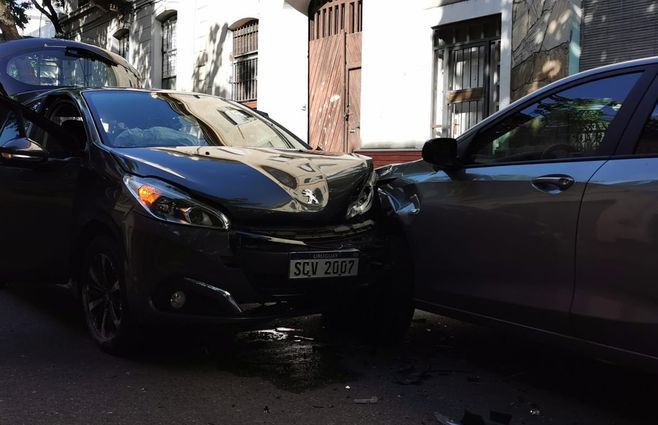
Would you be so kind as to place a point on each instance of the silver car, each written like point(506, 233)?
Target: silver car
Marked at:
point(544, 216)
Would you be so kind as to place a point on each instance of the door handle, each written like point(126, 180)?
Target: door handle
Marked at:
point(548, 183)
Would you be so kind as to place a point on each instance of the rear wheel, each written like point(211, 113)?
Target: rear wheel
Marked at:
point(103, 295)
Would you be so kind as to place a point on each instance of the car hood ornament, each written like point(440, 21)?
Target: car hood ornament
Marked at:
point(311, 198)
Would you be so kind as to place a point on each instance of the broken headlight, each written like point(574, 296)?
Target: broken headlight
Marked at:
point(364, 202)
point(165, 202)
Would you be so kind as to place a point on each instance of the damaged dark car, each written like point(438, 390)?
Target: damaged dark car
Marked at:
point(166, 208)
point(543, 217)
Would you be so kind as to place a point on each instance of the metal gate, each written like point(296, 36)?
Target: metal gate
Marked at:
point(468, 74)
point(335, 74)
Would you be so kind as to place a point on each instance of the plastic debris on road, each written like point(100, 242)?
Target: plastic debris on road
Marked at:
point(371, 400)
point(495, 418)
point(444, 420)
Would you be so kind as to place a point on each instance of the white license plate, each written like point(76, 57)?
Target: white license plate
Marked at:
point(314, 265)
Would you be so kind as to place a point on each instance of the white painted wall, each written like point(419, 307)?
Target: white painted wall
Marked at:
point(205, 60)
point(396, 96)
point(283, 65)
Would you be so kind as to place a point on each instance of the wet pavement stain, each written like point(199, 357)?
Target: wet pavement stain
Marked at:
point(288, 359)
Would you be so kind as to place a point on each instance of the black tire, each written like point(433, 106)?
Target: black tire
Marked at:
point(103, 296)
point(382, 313)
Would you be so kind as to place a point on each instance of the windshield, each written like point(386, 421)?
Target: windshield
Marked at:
point(133, 119)
point(68, 67)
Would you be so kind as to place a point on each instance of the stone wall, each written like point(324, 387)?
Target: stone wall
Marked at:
point(541, 35)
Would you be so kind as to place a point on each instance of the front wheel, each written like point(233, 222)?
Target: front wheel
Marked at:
point(103, 295)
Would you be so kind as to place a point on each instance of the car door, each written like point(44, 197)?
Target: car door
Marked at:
point(616, 297)
point(38, 199)
point(497, 236)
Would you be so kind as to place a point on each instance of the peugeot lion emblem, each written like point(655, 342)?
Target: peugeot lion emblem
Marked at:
point(312, 200)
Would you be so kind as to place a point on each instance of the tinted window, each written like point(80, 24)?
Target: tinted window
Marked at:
point(157, 119)
point(56, 67)
point(649, 140)
point(567, 124)
point(9, 129)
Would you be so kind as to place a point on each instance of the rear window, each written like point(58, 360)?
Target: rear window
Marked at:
point(61, 67)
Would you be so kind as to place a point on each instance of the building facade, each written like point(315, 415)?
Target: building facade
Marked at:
point(375, 76)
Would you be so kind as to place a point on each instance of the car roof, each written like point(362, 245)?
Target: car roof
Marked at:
point(79, 90)
point(10, 47)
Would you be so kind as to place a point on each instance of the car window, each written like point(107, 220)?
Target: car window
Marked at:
point(567, 124)
point(648, 143)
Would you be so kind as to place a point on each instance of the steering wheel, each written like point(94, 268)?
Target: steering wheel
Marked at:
point(553, 151)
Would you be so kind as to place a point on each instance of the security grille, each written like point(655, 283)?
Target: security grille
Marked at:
point(169, 53)
point(467, 74)
point(124, 46)
point(616, 31)
point(245, 65)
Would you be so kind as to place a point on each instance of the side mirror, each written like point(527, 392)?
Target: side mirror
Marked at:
point(23, 149)
point(442, 152)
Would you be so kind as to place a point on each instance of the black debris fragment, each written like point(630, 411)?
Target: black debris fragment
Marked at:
point(472, 419)
point(408, 375)
point(500, 417)
point(534, 410)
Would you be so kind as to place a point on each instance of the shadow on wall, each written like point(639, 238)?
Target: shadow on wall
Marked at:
point(83, 30)
point(541, 33)
point(209, 63)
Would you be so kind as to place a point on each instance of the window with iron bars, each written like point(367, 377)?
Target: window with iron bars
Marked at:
point(124, 47)
point(245, 65)
point(466, 74)
point(169, 53)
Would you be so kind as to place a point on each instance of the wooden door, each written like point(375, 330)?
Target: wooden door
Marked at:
point(335, 74)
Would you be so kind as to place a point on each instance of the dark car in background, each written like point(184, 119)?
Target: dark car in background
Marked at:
point(166, 208)
point(545, 215)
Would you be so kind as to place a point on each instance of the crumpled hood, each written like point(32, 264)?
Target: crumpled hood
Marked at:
point(258, 186)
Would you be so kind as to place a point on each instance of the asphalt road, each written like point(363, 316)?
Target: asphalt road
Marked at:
point(51, 373)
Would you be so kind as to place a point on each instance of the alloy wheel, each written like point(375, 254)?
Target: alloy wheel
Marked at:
point(102, 298)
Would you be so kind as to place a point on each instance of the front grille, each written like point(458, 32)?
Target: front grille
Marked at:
point(313, 233)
